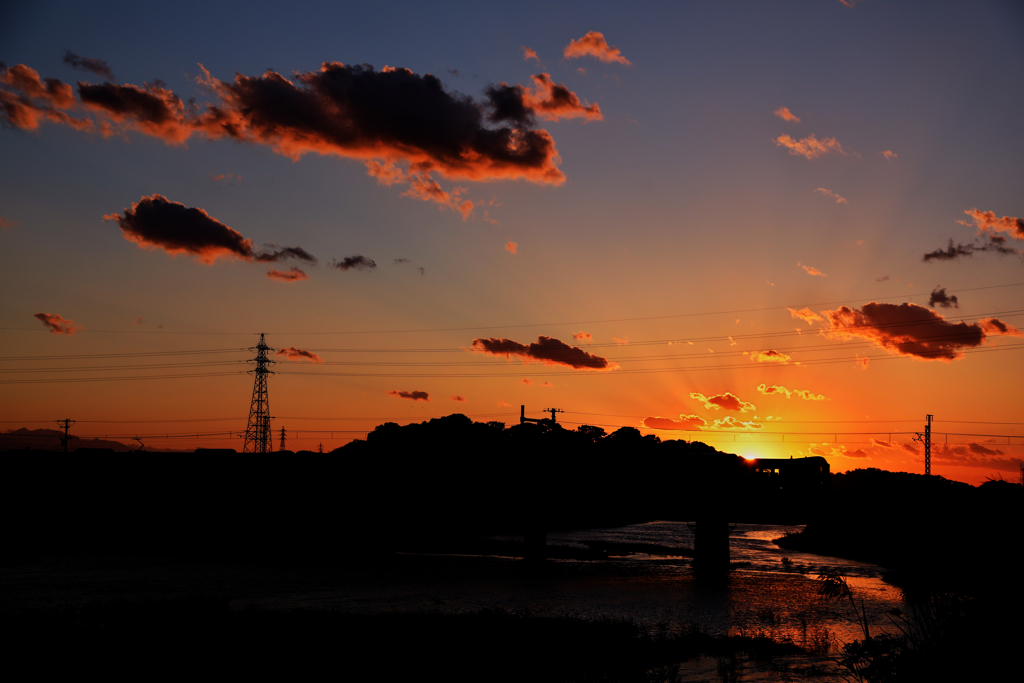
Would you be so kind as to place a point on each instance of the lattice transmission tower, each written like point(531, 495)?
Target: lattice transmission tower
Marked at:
point(257, 435)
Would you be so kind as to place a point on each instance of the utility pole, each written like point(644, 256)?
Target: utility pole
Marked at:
point(926, 439)
point(523, 419)
point(257, 433)
point(283, 434)
point(66, 424)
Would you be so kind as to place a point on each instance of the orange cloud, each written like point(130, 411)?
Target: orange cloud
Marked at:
point(810, 147)
point(786, 115)
point(429, 190)
point(292, 353)
point(684, 423)
point(911, 330)
point(730, 422)
point(393, 117)
point(770, 356)
point(529, 54)
point(547, 384)
point(545, 350)
point(805, 314)
point(830, 193)
point(58, 324)
point(811, 270)
point(889, 155)
point(789, 393)
point(155, 222)
point(727, 401)
point(583, 337)
point(527, 382)
point(412, 395)
point(594, 45)
point(290, 275)
point(511, 247)
point(621, 341)
point(39, 100)
point(459, 399)
point(553, 101)
point(986, 221)
point(7, 224)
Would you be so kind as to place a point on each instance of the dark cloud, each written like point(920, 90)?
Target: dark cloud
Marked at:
point(357, 262)
point(911, 330)
point(275, 253)
point(155, 222)
point(940, 298)
point(988, 242)
point(412, 395)
point(57, 324)
point(292, 353)
point(403, 126)
point(951, 252)
point(460, 399)
point(151, 109)
point(400, 261)
point(96, 66)
point(545, 350)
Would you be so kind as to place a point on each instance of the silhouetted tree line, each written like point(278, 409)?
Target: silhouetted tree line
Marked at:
point(447, 477)
point(952, 550)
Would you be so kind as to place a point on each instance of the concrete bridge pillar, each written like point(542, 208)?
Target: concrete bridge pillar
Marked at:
point(711, 545)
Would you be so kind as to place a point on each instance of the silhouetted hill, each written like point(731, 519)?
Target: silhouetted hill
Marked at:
point(50, 440)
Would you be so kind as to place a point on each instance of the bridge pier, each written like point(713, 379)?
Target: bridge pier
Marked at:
point(535, 543)
point(711, 545)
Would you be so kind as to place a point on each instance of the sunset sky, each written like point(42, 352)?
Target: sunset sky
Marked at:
point(672, 202)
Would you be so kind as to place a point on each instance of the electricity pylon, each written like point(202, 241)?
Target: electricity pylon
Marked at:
point(257, 434)
point(284, 435)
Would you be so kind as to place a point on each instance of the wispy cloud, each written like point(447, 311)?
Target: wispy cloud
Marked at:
point(291, 275)
point(833, 195)
point(809, 147)
point(810, 270)
point(58, 324)
point(770, 356)
point(593, 44)
point(529, 54)
point(292, 353)
point(786, 115)
point(511, 247)
point(95, 66)
point(788, 393)
point(411, 395)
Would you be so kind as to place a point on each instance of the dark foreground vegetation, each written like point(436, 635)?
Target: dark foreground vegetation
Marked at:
point(401, 487)
point(952, 548)
point(186, 637)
